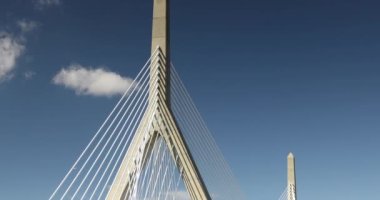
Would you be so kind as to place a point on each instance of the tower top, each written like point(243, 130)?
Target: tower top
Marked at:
point(291, 169)
point(160, 54)
point(160, 27)
point(292, 188)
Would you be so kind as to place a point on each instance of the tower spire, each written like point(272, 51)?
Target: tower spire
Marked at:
point(160, 27)
point(160, 69)
point(292, 194)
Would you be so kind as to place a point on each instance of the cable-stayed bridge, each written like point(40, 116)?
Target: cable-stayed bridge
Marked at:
point(154, 143)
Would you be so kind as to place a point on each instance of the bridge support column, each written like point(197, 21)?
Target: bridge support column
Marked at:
point(158, 121)
point(292, 194)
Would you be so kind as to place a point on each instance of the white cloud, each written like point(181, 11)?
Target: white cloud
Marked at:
point(10, 51)
point(46, 3)
point(27, 25)
point(90, 81)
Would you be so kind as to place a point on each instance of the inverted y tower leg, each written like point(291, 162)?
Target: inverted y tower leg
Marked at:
point(158, 121)
point(292, 190)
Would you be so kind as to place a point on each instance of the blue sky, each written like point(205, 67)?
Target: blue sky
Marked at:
point(300, 76)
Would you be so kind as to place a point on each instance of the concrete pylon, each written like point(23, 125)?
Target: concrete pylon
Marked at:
point(158, 121)
point(292, 192)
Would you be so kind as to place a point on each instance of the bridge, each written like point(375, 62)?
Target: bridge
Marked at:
point(154, 143)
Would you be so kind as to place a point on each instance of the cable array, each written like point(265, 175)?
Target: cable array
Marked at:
point(90, 175)
point(284, 195)
point(157, 174)
point(160, 178)
point(217, 175)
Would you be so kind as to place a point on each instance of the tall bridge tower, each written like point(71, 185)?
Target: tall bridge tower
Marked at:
point(163, 125)
point(292, 189)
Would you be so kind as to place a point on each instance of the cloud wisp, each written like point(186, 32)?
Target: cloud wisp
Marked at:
point(92, 81)
point(10, 51)
point(27, 25)
point(40, 4)
point(28, 75)
point(13, 45)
